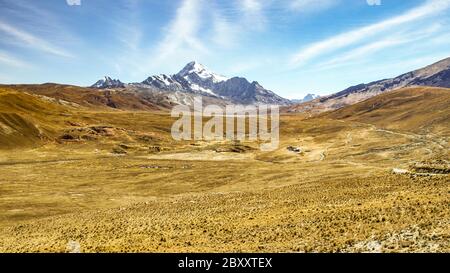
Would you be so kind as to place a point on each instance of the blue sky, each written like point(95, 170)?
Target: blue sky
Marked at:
point(292, 47)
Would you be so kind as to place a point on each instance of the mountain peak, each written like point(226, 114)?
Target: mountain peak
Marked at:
point(192, 67)
point(108, 82)
point(196, 71)
point(107, 79)
point(196, 66)
point(309, 97)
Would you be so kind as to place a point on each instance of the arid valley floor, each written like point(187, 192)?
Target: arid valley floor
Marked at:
point(372, 177)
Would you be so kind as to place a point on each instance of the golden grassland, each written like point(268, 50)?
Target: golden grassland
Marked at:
point(115, 181)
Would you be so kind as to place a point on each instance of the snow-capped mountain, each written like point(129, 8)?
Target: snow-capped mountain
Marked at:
point(197, 73)
point(197, 79)
point(309, 97)
point(164, 82)
point(193, 78)
point(107, 82)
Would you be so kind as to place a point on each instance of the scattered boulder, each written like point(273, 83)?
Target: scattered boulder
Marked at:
point(74, 124)
point(431, 167)
point(103, 130)
point(154, 149)
point(124, 146)
point(68, 137)
point(146, 138)
point(233, 148)
point(293, 149)
point(93, 133)
point(119, 151)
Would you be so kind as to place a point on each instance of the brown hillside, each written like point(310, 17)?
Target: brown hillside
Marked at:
point(416, 109)
point(31, 119)
point(26, 119)
point(89, 97)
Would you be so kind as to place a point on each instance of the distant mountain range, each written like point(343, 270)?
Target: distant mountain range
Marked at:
point(435, 75)
point(197, 80)
point(107, 82)
point(194, 80)
point(307, 98)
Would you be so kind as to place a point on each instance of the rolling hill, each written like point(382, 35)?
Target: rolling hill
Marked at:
point(96, 98)
point(435, 75)
point(418, 109)
point(34, 115)
point(26, 119)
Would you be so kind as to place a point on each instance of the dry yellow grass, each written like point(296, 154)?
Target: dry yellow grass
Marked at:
point(115, 181)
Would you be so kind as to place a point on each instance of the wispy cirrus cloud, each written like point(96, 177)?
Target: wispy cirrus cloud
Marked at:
point(29, 21)
point(311, 5)
point(430, 8)
point(251, 5)
point(128, 28)
point(181, 33)
point(394, 40)
point(179, 38)
point(25, 38)
point(197, 30)
point(225, 33)
point(73, 2)
point(201, 27)
point(253, 12)
point(9, 60)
